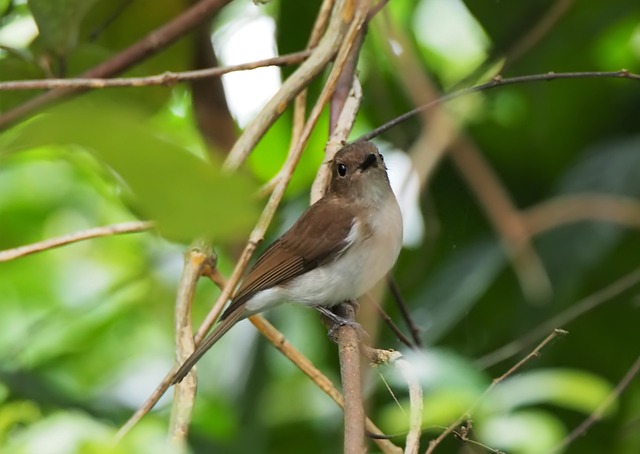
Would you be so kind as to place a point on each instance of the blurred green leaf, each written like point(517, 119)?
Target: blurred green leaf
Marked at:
point(16, 413)
point(573, 389)
point(59, 22)
point(185, 195)
point(523, 432)
point(4, 6)
point(446, 296)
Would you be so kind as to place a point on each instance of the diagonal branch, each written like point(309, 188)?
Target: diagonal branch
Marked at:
point(96, 232)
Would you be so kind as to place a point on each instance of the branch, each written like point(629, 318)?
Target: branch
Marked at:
point(96, 232)
point(147, 46)
point(397, 360)
point(404, 310)
point(599, 412)
point(351, 377)
point(390, 323)
point(167, 78)
point(199, 260)
point(498, 81)
point(533, 354)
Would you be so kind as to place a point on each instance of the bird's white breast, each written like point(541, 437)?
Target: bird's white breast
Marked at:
point(373, 245)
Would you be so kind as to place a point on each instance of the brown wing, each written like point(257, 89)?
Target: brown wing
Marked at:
point(319, 236)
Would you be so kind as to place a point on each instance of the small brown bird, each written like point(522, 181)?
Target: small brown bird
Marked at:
point(341, 246)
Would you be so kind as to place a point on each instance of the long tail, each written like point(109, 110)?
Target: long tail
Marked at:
point(219, 331)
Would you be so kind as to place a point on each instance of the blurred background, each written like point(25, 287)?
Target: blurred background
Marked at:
point(520, 204)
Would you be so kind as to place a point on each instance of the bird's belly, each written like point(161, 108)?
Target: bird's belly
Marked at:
point(350, 276)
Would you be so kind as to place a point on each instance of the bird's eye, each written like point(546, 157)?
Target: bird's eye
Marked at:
point(382, 157)
point(342, 170)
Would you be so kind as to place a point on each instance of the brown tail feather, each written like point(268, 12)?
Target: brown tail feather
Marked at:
point(219, 331)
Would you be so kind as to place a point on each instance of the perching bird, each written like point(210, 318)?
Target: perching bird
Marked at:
point(341, 246)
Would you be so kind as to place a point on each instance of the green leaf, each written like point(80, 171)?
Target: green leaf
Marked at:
point(59, 22)
point(573, 389)
point(185, 195)
point(4, 6)
point(447, 296)
point(524, 432)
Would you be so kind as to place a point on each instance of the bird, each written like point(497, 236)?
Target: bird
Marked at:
point(338, 249)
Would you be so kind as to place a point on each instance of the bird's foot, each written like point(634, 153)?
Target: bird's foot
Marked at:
point(337, 321)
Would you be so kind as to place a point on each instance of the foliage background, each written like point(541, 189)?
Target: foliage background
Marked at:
point(86, 330)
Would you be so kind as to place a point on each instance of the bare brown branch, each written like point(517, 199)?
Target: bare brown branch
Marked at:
point(167, 78)
point(96, 232)
point(351, 377)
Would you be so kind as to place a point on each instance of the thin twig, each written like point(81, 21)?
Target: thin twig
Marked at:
point(402, 305)
point(433, 444)
point(562, 319)
point(149, 45)
point(95, 232)
point(197, 259)
point(167, 78)
point(397, 360)
point(599, 412)
point(498, 81)
point(390, 323)
point(412, 444)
